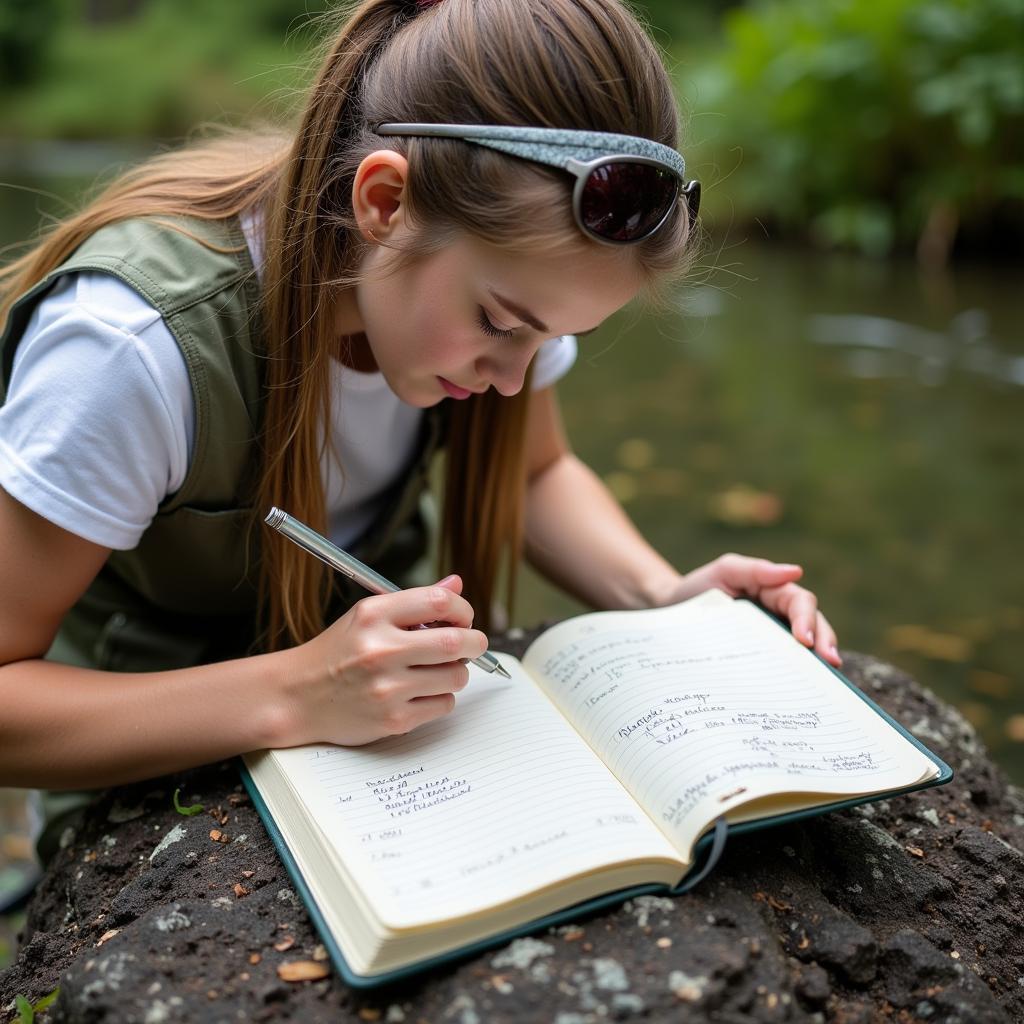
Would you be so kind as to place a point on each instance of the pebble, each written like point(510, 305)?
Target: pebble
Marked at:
point(173, 921)
point(687, 987)
point(629, 1002)
point(609, 974)
point(521, 953)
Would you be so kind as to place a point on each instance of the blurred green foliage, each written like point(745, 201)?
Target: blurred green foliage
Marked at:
point(149, 70)
point(24, 34)
point(868, 124)
point(115, 69)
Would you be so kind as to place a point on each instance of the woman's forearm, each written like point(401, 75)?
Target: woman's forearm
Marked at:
point(579, 537)
point(75, 728)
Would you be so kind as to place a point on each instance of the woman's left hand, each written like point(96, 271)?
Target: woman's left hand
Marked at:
point(772, 584)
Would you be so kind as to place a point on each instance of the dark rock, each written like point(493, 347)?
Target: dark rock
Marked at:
point(904, 910)
point(811, 984)
point(934, 986)
point(831, 938)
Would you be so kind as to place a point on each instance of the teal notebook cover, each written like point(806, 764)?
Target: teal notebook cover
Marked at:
point(706, 854)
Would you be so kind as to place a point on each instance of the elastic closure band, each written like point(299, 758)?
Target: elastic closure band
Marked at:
point(717, 848)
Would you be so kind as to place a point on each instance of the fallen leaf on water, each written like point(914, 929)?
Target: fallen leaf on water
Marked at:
point(992, 684)
point(930, 643)
point(302, 970)
point(742, 505)
point(1015, 728)
point(636, 453)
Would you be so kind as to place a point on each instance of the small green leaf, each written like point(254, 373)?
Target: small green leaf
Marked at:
point(47, 1001)
point(26, 1015)
point(188, 811)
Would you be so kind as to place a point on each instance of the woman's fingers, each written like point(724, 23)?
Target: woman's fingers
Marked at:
point(418, 683)
point(798, 605)
point(741, 574)
point(407, 609)
point(826, 644)
point(439, 645)
point(808, 625)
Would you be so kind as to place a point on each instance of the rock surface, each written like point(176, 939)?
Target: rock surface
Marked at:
point(903, 910)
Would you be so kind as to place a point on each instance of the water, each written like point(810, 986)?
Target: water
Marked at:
point(855, 417)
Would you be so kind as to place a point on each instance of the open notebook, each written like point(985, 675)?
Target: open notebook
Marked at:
point(621, 739)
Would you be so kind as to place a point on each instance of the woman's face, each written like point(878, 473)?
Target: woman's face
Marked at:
point(471, 316)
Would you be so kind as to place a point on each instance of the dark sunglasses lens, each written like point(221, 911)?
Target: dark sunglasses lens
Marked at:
point(625, 201)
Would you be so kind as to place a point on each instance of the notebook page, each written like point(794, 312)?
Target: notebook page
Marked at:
point(497, 799)
point(700, 710)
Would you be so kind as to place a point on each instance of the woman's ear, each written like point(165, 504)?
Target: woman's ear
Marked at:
point(378, 193)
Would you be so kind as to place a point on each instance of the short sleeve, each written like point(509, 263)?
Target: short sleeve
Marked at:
point(553, 361)
point(96, 429)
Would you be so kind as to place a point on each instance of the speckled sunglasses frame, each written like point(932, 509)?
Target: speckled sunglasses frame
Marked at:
point(626, 187)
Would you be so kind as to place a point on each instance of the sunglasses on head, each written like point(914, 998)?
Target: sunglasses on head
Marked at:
point(626, 187)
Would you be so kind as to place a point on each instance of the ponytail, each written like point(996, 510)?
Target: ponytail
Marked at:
point(312, 250)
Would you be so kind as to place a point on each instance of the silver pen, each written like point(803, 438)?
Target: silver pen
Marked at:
point(309, 540)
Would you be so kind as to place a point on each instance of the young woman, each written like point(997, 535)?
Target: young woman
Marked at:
point(302, 321)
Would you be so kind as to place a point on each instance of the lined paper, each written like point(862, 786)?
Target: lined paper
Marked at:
point(703, 707)
point(497, 799)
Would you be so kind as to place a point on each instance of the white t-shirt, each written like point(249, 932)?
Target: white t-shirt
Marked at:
point(98, 425)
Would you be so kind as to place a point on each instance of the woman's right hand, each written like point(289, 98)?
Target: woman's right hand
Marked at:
point(373, 673)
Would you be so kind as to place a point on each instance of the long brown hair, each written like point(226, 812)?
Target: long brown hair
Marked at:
point(553, 63)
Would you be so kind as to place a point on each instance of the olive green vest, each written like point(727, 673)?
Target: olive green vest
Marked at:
point(186, 595)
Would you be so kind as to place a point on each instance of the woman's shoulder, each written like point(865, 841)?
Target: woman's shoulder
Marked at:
point(170, 260)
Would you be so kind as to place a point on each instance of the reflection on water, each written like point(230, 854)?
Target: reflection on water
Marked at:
point(880, 347)
point(851, 416)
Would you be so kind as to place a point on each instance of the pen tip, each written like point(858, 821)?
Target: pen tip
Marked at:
point(502, 671)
